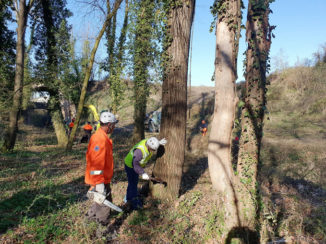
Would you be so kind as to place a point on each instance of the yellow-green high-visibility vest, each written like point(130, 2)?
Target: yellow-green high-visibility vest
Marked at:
point(146, 154)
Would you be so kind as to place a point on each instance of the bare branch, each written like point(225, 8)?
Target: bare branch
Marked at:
point(93, 5)
point(29, 5)
point(16, 9)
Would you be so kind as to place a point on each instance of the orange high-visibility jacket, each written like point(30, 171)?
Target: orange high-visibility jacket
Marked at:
point(88, 127)
point(71, 124)
point(99, 159)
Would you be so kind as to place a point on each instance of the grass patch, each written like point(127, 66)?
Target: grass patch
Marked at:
point(139, 218)
point(215, 225)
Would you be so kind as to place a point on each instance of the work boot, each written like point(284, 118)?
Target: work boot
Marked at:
point(127, 207)
point(136, 204)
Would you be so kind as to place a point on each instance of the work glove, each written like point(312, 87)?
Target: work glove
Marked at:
point(145, 176)
point(100, 188)
point(163, 141)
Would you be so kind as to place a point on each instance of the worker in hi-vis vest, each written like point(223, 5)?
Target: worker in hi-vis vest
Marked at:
point(135, 162)
point(99, 168)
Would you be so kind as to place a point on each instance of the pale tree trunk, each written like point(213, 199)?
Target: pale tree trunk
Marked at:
point(258, 37)
point(58, 121)
point(72, 110)
point(89, 71)
point(174, 102)
point(64, 105)
point(220, 140)
point(56, 117)
point(21, 17)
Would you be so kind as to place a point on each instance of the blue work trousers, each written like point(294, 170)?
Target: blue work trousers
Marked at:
point(132, 191)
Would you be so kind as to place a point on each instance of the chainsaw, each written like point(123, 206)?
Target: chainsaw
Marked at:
point(101, 199)
point(158, 181)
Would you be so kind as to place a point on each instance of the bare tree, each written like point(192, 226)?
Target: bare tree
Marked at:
point(109, 15)
point(22, 9)
point(219, 148)
point(239, 191)
point(174, 98)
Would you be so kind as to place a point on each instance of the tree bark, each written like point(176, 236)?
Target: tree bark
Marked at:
point(88, 73)
point(21, 17)
point(258, 37)
point(56, 117)
point(117, 87)
point(52, 63)
point(220, 139)
point(174, 102)
point(141, 60)
point(111, 44)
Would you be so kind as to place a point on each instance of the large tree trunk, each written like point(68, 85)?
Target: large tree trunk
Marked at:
point(141, 62)
point(52, 63)
point(22, 14)
point(259, 39)
point(88, 73)
point(174, 102)
point(219, 147)
point(56, 117)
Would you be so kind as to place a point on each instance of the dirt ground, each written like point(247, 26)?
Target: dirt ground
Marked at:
point(44, 200)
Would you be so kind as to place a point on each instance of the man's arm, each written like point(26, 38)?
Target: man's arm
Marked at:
point(138, 155)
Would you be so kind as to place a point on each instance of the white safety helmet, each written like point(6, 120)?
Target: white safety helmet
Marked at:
point(107, 117)
point(154, 143)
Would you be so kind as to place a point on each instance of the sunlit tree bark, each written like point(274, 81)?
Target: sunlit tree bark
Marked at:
point(219, 147)
point(174, 99)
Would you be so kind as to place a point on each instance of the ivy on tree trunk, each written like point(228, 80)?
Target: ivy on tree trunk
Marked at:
point(258, 36)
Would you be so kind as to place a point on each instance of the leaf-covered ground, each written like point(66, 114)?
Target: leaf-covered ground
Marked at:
point(43, 194)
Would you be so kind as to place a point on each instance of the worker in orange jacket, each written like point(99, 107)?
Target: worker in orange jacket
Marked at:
point(71, 125)
point(203, 128)
point(99, 168)
point(87, 132)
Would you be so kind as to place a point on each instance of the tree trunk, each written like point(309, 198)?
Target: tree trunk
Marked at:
point(111, 45)
point(52, 65)
point(56, 117)
point(258, 37)
point(174, 102)
point(10, 137)
point(88, 73)
point(141, 61)
point(140, 93)
point(117, 87)
point(220, 139)
point(122, 38)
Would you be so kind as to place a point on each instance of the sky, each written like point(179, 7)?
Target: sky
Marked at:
point(300, 31)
